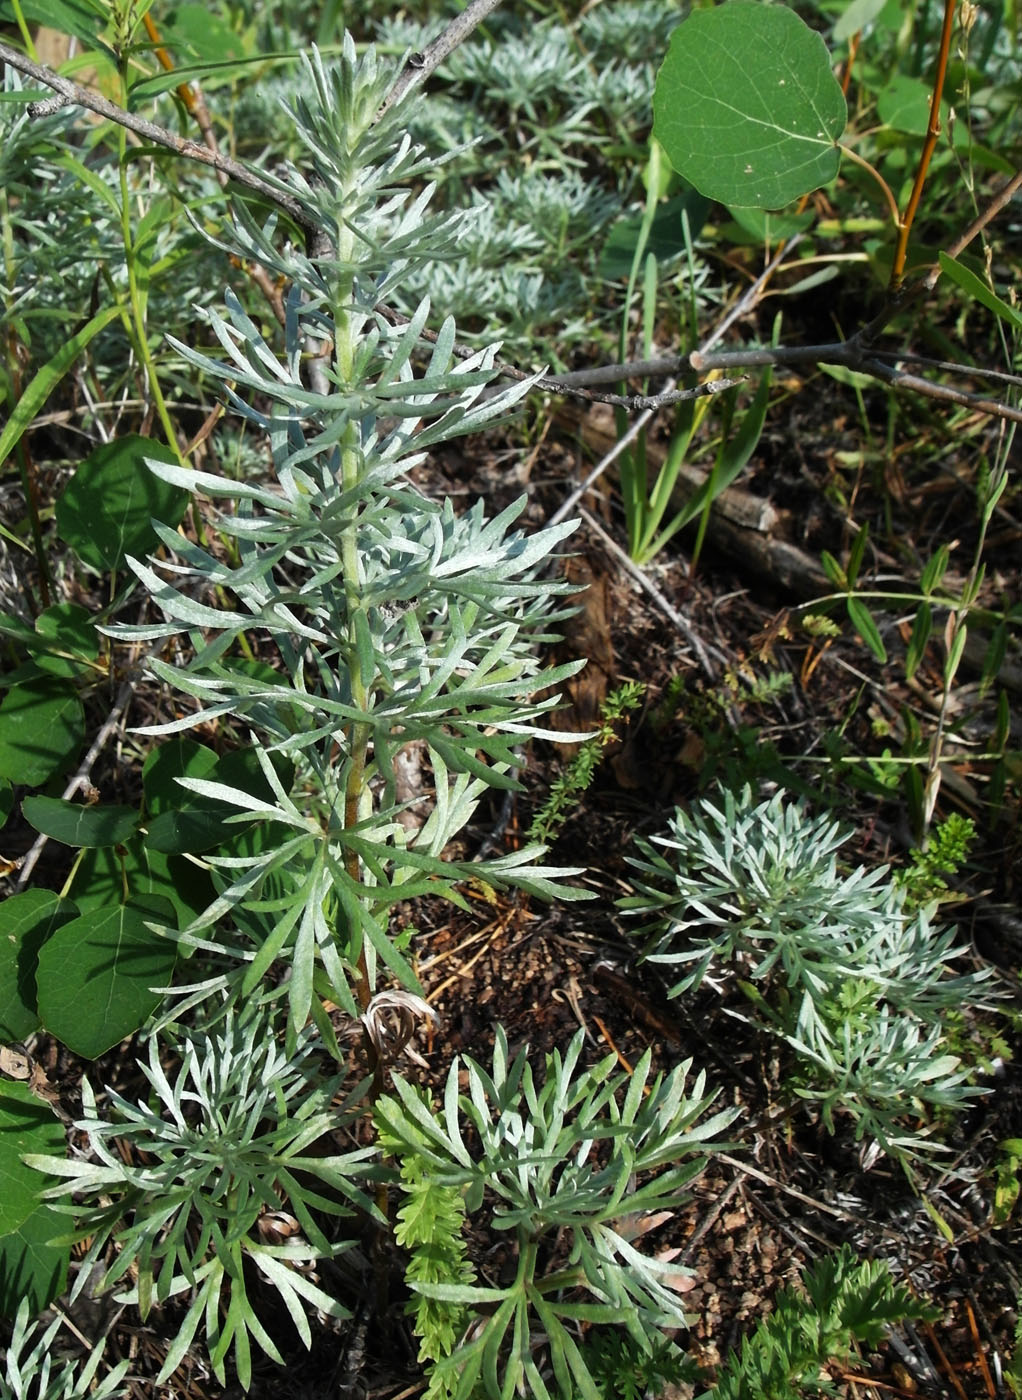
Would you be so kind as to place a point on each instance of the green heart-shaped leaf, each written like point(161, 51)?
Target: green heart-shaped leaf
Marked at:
point(746, 105)
point(96, 973)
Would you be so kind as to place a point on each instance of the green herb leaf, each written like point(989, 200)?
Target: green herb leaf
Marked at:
point(76, 825)
point(747, 107)
point(27, 1124)
point(42, 725)
point(105, 511)
point(97, 971)
point(26, 922)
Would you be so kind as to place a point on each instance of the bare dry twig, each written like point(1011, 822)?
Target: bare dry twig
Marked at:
point(419, 66)
point(150, 131)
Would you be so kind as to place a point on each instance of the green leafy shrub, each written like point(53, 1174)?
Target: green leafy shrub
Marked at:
point(181, 1190)
point(844, 1301)
point(325, 618)
point(393, 622)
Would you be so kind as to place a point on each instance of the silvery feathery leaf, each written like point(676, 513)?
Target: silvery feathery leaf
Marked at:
point(179, 1183)
point(752, 894)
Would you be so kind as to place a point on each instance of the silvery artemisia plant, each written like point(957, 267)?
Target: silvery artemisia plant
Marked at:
point(33, 1369)
point(389, 620)
point(191, 1185)
point(751, 893)
point(393, 621)
point(573, 1167)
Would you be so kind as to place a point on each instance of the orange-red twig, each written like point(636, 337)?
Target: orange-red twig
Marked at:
point(929, 145)
point(980, 1356)
point(945, 1364)
point(853, 49)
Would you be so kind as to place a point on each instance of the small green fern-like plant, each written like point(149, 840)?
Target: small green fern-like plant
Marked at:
point(947, 848)
point(430, 1225)
point(577, 777)
point(844, 1301)
point(621, 1370)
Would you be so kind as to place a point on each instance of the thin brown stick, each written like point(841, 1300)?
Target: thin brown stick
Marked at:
point(851, 354)
point(853, 1379)
point(749, 1170)
point(853, 49)
point(745, 302)
point(978, 403)
point(569, 384)
point(419, 66)
point(150, 131)
point(942, 1360)
point(1003, 197)
point(980, 1357)
point(909, 357)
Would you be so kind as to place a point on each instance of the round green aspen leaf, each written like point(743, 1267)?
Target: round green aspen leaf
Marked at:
point(104, 872)
point(105, 511)
point(27, 1124)
point(42, 725)
point(70, 628)
point(175, 758)
point(746, 105)
point(97, 972)
point(31, 1266)
point(76, 825)
point(65, 641)
point(26, 922)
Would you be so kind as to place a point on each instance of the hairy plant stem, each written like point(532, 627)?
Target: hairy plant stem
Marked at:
point(345, 337)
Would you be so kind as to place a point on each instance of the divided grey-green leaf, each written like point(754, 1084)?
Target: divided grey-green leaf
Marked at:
point(746, 105)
